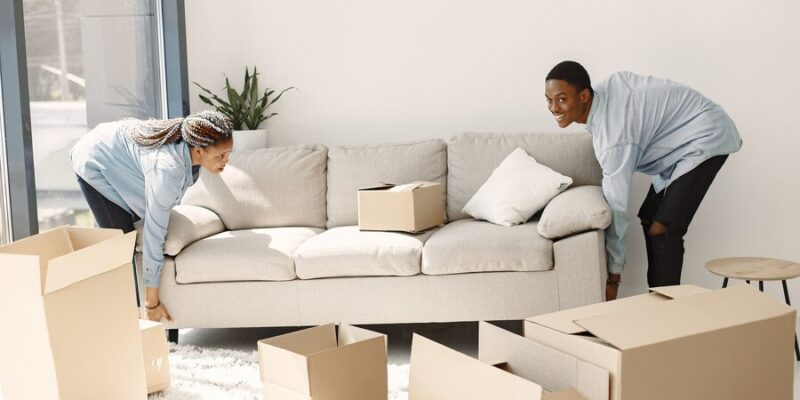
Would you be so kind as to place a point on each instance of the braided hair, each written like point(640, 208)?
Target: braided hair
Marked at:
point(198, 130)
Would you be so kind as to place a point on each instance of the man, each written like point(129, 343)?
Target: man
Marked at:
point(657, 127)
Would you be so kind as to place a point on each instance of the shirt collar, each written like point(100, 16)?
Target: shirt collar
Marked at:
point(595, 113)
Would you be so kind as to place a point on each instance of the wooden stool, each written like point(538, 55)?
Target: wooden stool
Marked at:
point(757, 269)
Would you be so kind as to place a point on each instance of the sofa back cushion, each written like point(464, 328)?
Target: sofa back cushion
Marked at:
point(354, 167)
point(274, 187)
point(471, 158)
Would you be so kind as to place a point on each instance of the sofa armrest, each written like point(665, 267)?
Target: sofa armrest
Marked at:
point(187, 224)
point(580, 266)
point(576, 210)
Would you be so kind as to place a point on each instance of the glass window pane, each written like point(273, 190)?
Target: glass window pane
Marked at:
point(5, 218)
point(89, 61)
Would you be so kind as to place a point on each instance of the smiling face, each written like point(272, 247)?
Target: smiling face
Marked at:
point(213, 157)
point(565, 102)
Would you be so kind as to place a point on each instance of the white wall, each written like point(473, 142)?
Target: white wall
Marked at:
point(372, 71)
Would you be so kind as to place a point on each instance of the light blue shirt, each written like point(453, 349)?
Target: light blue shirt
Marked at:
point(144, 182)
point(654, 126)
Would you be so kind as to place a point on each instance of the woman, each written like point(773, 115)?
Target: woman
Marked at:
point(130, 170)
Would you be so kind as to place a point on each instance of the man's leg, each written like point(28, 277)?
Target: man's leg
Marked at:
point(670, 221)
point(646, 213)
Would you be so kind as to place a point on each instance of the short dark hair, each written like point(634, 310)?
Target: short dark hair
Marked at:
point(573, 73)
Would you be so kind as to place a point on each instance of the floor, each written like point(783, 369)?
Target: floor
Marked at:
point(462, 336)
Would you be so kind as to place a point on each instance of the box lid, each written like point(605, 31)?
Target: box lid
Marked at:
point(684, 317)
point(67, 255)
point(564, 321)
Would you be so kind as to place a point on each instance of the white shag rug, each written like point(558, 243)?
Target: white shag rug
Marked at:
point(220, 374)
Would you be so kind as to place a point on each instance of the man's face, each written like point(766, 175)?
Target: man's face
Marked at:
point(565, 102)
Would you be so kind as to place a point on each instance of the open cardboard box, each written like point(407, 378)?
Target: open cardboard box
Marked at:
point(681, 342)
point(440, 373)
point(413, 207)
point(156, 355)
point(318, 364)
point(70, 322)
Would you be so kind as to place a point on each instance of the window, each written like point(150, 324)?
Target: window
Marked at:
point(88, 62)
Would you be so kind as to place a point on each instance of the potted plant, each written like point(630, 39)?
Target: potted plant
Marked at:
point(245, 109)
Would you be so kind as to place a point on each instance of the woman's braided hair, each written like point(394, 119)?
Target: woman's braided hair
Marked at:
point(198, 130)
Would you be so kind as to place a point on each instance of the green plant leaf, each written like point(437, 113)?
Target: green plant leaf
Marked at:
point(279, 95)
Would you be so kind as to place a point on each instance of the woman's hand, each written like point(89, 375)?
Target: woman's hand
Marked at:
point(154, 310)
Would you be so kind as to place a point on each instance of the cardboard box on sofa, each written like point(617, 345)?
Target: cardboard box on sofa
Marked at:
point(440, 373)
point(70, 323)
point(156, 355)
point(681, 342)
point(318, 364)
point(412, 207)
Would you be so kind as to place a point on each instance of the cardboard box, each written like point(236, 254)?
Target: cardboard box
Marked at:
point(681, 342)
point(156, 355)
point(316, 364)
point(440, 373)
point(412, 207)
point(69, 319)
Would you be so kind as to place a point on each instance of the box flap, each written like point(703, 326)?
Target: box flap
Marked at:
point(678, 291)
point(564, 321)
point(354, 371)
point(550, 368)
point(284, 359)
point(440, 373)
point(683, 317)
point(349, 334)
point(570, 394)
point(102, 256)
point(380, 186)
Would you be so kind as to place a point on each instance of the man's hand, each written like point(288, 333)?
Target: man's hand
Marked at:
point(154, 310)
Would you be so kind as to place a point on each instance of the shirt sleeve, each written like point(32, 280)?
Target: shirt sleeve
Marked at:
point(618, 164)
point(162, 192)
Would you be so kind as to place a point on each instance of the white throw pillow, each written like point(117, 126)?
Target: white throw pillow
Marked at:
point(517, 189)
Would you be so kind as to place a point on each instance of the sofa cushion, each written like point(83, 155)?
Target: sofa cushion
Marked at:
point(347, 251)
point(280, 186)
point(478, 246)
point(576, 210)
point(518, 188)
point(354, 167)
point(187, 224)
point(242, 255)
point(471, 158)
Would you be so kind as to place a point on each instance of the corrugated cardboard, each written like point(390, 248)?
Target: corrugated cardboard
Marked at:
point(554, 370)
point(681, 342)
point(156, 355)
point(69, 319)
point(412, 207)
point(313, 364)
point(440, 373)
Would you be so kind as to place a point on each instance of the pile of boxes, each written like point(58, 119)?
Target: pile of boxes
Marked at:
point(71, 331)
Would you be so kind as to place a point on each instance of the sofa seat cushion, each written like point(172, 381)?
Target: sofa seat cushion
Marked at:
point(478, 246)
point(243, 255)
point(347, 251)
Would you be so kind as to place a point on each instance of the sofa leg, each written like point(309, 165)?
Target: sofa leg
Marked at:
point(172, 335)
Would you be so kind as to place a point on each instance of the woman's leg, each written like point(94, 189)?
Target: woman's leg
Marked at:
point(108, 214)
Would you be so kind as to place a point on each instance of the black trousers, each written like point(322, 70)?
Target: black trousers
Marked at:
point(108, 214)
point(674, 207)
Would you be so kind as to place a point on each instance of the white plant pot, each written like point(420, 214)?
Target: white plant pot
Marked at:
point(249, 140)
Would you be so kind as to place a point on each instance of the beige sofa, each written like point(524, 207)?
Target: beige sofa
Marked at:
point(274, 241)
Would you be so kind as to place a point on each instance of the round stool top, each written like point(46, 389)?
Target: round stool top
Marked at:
point(754, 268)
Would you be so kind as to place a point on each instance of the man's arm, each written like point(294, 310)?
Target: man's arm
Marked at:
point(619, 164)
